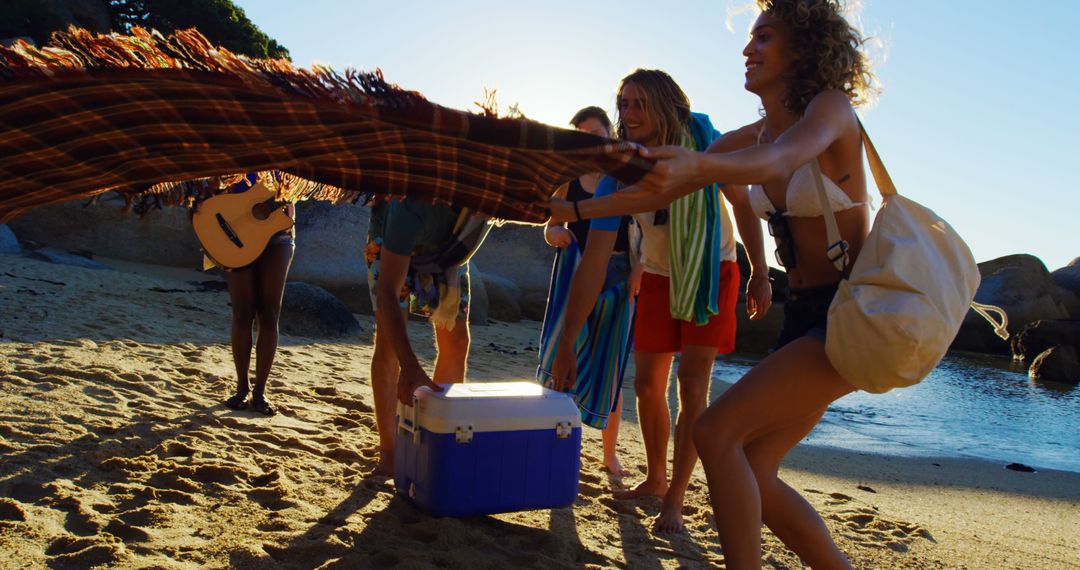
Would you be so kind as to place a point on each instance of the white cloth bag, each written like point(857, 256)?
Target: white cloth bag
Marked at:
point(894, 317)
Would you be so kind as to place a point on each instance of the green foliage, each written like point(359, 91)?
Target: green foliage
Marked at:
point(33, 18)
point(221, 21)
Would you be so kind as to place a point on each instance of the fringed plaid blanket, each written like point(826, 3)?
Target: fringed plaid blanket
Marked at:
point(164, 119)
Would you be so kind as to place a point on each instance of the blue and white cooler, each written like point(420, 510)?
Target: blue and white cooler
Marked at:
point(484, 448)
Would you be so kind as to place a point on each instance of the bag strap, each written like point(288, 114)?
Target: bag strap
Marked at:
point(838, 248)
point(837, 251)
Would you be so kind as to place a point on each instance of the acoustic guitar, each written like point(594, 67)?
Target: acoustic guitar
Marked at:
point(235, 228)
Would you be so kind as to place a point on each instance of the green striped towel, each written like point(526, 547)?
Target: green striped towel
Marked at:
point(694, 242)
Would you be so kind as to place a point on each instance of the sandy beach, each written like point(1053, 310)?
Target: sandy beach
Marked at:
point(115, 450)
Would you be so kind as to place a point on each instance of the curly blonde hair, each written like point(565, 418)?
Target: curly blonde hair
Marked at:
point(828, 52)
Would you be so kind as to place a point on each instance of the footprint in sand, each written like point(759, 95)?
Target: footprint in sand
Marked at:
point(12, 511)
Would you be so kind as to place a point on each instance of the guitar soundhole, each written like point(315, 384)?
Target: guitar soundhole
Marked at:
point(262, 210)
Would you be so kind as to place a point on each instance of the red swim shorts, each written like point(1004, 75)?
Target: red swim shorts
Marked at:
point(656, 331)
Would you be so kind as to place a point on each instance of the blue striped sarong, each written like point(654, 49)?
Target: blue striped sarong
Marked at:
point(603, 346)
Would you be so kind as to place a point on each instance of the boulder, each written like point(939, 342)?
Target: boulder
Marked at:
point(330, 240)
point(1023, 288)
point(90, 14)
point(478, 297)
point(503, 297)
point(534, 305)
point(162, 237)
point(758, 337)
point(8, 243)
point(64, 258)
point(778, 277)
point(1057, 364)
point(311, 311)
point(1038, 336)
point(518, 254)
point(1068, 282)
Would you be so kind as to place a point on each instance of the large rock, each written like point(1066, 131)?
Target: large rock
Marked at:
point(518, 254)
point(777, 277)
point(64, 258)
point(758, 337)
point(1038, 336)
point(478, 297)
point(503, 295)
point(90, 14)
point(8, 242)
point(162, 237)
point(311, 311)
point(1057, 364)
point(1023, 288)
point(330, 242)
point(1068, 282)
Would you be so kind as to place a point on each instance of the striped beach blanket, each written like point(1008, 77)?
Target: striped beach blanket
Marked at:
point(603, 346)
point(162, 119)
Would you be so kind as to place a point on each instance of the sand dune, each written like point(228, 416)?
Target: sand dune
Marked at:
point(115, 450)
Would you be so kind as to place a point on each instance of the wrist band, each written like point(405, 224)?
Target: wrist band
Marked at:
point(577, 214)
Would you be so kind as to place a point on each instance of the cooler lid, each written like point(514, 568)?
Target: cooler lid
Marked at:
point(491, 407)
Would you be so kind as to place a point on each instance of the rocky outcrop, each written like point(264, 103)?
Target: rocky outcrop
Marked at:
point(1068, 282)
point(1023, 288)
point(758, 337)
point(8, 243)
point(502, 295)
point(478, 297)
point(1038, 336)
point(516, 254)
point(1058, 364)
point(162, 237)
point(65, 258)
point(330, 243)
point(311, 311)
point(90, 14)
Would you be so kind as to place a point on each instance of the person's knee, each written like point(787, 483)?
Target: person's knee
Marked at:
point(694, 392)
point(268, 318)
point(712, 431)
point(243, 312)
point(648, 390)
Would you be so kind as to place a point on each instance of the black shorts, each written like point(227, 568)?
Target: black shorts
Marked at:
point(806, 313)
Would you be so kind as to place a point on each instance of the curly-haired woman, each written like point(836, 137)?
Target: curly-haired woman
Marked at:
point(804, 63)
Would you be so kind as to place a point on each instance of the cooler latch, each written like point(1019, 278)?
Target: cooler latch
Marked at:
point(563, 430)
point(463, 434)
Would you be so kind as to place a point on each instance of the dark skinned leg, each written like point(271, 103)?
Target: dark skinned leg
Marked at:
point(241, 285)
point(271, 270)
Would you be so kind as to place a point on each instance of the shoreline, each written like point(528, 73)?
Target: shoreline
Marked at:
point(115, 449)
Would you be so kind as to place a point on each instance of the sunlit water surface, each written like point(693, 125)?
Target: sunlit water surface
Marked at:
point(970, 406)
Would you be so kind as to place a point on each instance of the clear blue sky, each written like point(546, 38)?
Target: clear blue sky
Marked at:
point(977, 117)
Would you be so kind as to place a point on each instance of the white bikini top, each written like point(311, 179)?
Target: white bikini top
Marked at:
point(802, 196)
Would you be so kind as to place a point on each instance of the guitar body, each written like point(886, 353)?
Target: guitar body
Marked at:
point(234, 229)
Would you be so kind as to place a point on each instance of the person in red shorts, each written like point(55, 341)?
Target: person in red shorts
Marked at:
point(653, 109)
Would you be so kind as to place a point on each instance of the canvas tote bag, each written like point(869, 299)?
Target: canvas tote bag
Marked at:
point(894, 317)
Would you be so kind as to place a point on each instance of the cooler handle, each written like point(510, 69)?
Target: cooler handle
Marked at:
point(409, 424)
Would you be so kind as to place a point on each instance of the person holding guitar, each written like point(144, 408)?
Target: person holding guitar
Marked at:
point(255, 291)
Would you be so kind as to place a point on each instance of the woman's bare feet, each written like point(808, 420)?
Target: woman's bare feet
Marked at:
point(385, 467)
point(614, 467)
point(670, 518)
point(645, 488)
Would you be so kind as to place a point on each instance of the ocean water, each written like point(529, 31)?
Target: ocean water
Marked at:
point(970, 406)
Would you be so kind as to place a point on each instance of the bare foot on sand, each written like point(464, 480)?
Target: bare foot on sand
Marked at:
point(385, 468)
point(669, 520)
point(615, 468)
point(645, 488)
